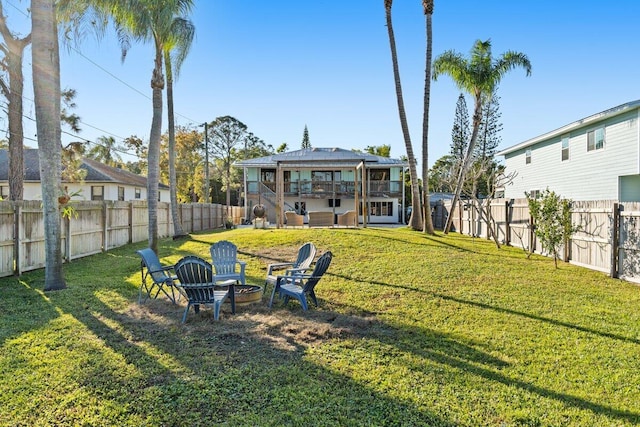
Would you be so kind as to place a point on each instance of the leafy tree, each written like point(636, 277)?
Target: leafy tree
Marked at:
point(282, 148)
point(136, 144)
point(415, 222)
point(189, 152)
point(552, 221)
point(46, 89)
point(442, 174)
point(225, 133)
point(380, 150)
point(460, 130)
point(427, 6)
point(12, 50)
point(68, 118)
point(479, 76)
point(305, 138)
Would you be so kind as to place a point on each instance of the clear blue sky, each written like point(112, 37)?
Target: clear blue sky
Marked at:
point(283, 64)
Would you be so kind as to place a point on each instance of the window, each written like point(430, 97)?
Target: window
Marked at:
point(97, 192)
point(137, 193)
point(534, 194)
point(301, 207)
point(595, 139)
point(379, 174)
point(121, 194)
point(527, 156)
point(4, 192)
point(565, 148)
point(379, 209)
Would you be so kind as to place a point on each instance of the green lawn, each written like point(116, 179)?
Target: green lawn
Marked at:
point(411, 331)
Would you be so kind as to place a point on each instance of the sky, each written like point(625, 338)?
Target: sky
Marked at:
point(281, 65)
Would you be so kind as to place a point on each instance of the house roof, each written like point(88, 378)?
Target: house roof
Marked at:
point(96, 171)
point(611, 112)
point(338, 157)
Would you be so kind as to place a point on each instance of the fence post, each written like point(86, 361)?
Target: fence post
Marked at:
point(507, 222)
point(17, 220)
point(614, 240)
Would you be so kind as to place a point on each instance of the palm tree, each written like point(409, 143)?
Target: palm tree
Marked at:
point(416, 213)
point(13, 50)
point(46, 89)
point(427, 5)
point(183, 33)
point(479, 76)
point(148, 20)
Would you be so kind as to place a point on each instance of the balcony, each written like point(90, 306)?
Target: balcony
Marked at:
point(321, 189)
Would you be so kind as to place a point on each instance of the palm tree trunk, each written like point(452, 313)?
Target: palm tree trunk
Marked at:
point(415, 221)
point(153, 155)
point(177, 225)
point(477, 117)
point(428, 223)
point(46, 88)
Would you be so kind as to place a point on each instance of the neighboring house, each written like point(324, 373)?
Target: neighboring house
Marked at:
point(102, 182)
point(595, 158)
point(325, 179)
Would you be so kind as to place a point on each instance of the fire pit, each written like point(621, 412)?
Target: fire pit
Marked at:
point(247, 294)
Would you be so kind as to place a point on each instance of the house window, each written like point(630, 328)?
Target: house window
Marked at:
point(323, 180)
point(565, 148)
point(97, 192)
point(121, 194)
point(4, 192)
point(379, 174)
point(534, 194)
point(595, 139)
point(527, 156)
point(137, 193)
point(301, 207)
point(379, 209)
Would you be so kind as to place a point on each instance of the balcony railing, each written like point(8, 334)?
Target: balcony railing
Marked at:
point(306, 188)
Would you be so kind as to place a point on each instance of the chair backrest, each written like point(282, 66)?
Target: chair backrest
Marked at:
point(318, 271)
point(152, 263)
point(224, 255)
point(306, 254)
point(193, 269)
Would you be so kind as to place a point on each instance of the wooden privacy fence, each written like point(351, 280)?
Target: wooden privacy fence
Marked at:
point(98, 227)
point(608, 239)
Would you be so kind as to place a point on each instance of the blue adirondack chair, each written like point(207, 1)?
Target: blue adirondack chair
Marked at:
point(306, 254)
point(155, 277)
point(199, 286)
point(299, 286)
point(224, 258)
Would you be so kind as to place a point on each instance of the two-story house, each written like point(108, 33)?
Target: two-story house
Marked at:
point(595, 158)
point(325, 179)
point(102, 182)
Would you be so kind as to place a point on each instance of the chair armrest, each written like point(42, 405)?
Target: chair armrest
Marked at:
point(295, 271)
point(277, 266)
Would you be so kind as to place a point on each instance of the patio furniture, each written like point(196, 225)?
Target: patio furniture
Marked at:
point(294, 219)
point(155, 277)
point(199, 286)
point(348, 219)
point(224, 258)
point(300, 286)
point(306, 254)
point(320, 219)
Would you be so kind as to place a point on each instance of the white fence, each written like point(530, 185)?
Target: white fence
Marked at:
point(98, 227)
point(608, 239)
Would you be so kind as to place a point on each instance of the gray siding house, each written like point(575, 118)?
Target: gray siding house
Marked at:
point(595, 158)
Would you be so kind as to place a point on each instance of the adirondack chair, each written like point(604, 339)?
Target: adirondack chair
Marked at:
point(155, 277)
point(199, 285)
point(224, 258)
point(306, 254)
point(300, 286)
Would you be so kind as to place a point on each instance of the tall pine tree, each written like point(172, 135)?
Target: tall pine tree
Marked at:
point(460, 131)
point(490, 127)
point(305, 138)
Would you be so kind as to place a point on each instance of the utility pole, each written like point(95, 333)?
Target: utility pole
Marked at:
point(206, 162)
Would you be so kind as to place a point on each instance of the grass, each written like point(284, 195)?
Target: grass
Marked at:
point(411, 330)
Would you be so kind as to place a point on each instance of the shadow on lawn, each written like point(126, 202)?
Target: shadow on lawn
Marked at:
point(471, 355)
